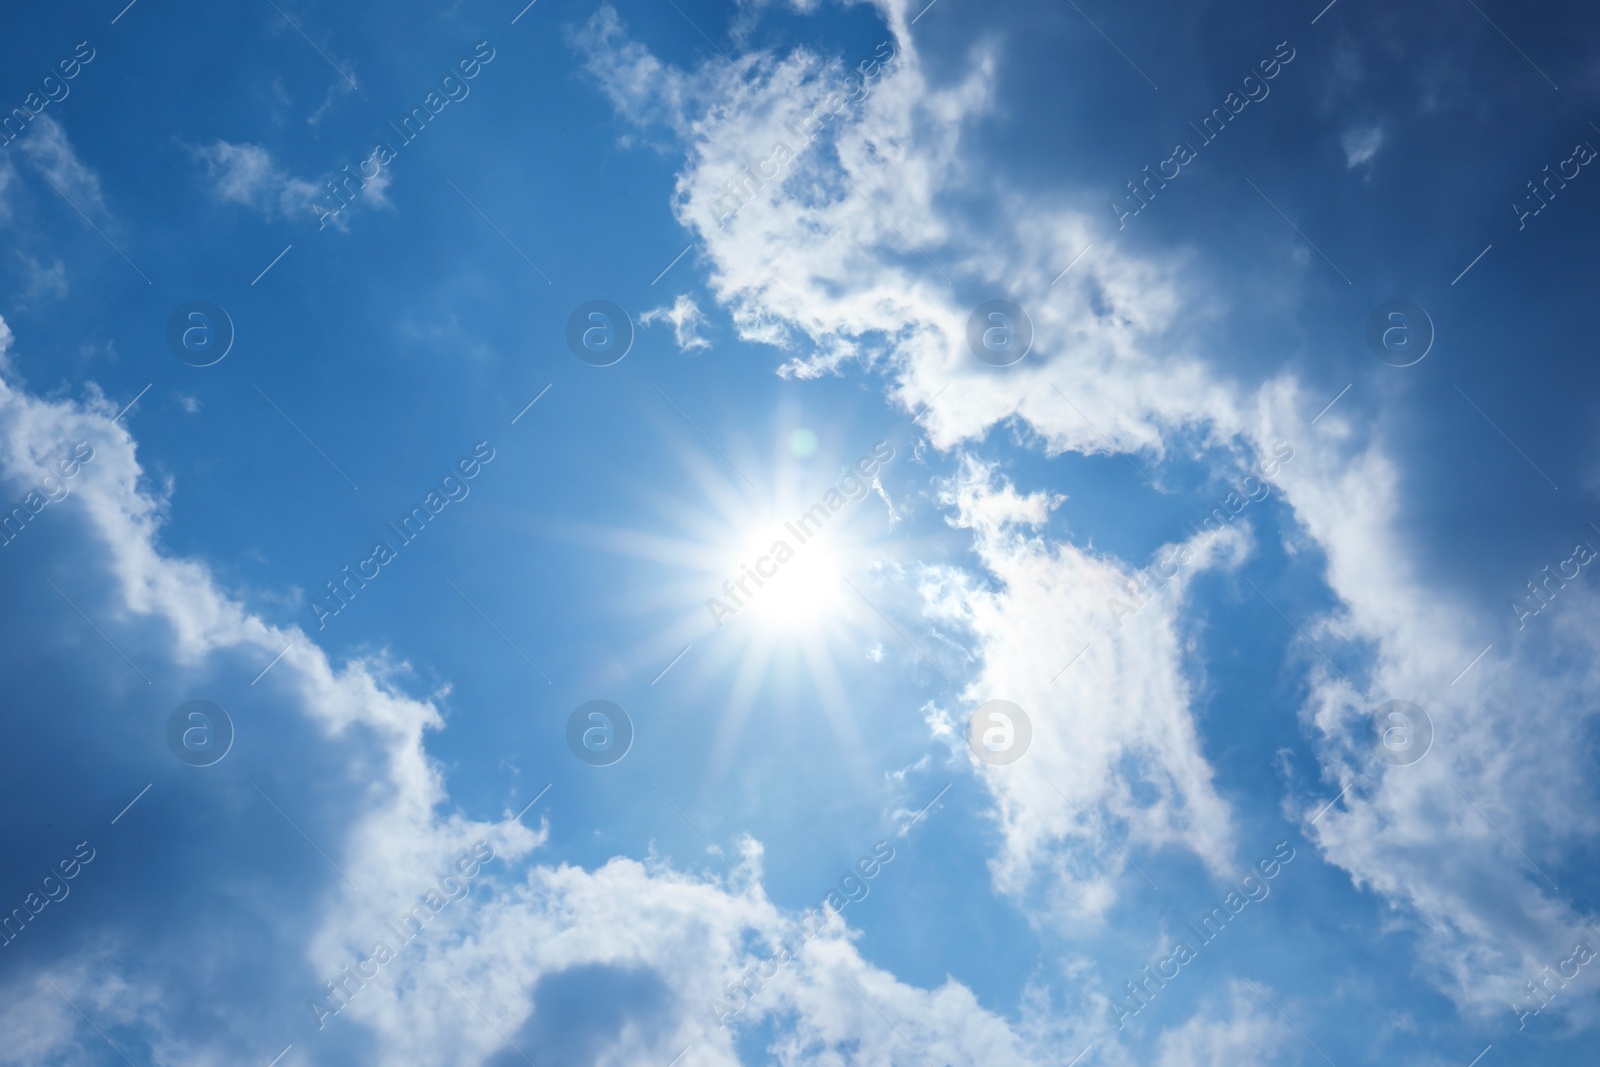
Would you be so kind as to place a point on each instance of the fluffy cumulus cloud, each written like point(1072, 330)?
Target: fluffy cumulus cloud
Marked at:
point(819, 190)
point(678, 954)
point(824, 191)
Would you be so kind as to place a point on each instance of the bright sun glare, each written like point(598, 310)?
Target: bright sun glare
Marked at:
point(774, 585)
point(783, 584)
point(770, 589)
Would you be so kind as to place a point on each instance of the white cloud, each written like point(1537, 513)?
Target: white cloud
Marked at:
point(686, 319)
point(38, 1024)
point(1122, 703)
point(1508, 755)
point(837, 271)
point(833, 270)
point(46, 148)
point(812, 260)
point(697, 938)
point(526, 928)
point(245, 174)
point(1243, 1032)
point(1361, 144)
point(8, 175)
point(638, 84)
point(41, 280)
point(6, 339)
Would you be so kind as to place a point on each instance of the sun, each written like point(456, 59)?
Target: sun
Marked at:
point(759, 579)
point(779, 583)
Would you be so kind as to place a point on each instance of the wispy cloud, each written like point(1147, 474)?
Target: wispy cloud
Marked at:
point(45, 146)
point(246, 174)
point(1361, 144)
point(686, 319)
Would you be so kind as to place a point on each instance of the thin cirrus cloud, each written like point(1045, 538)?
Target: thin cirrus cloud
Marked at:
point(45, 150)
point(246, 174)
point(50, 153)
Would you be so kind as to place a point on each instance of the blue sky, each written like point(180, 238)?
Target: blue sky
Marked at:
point(1202, 534)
